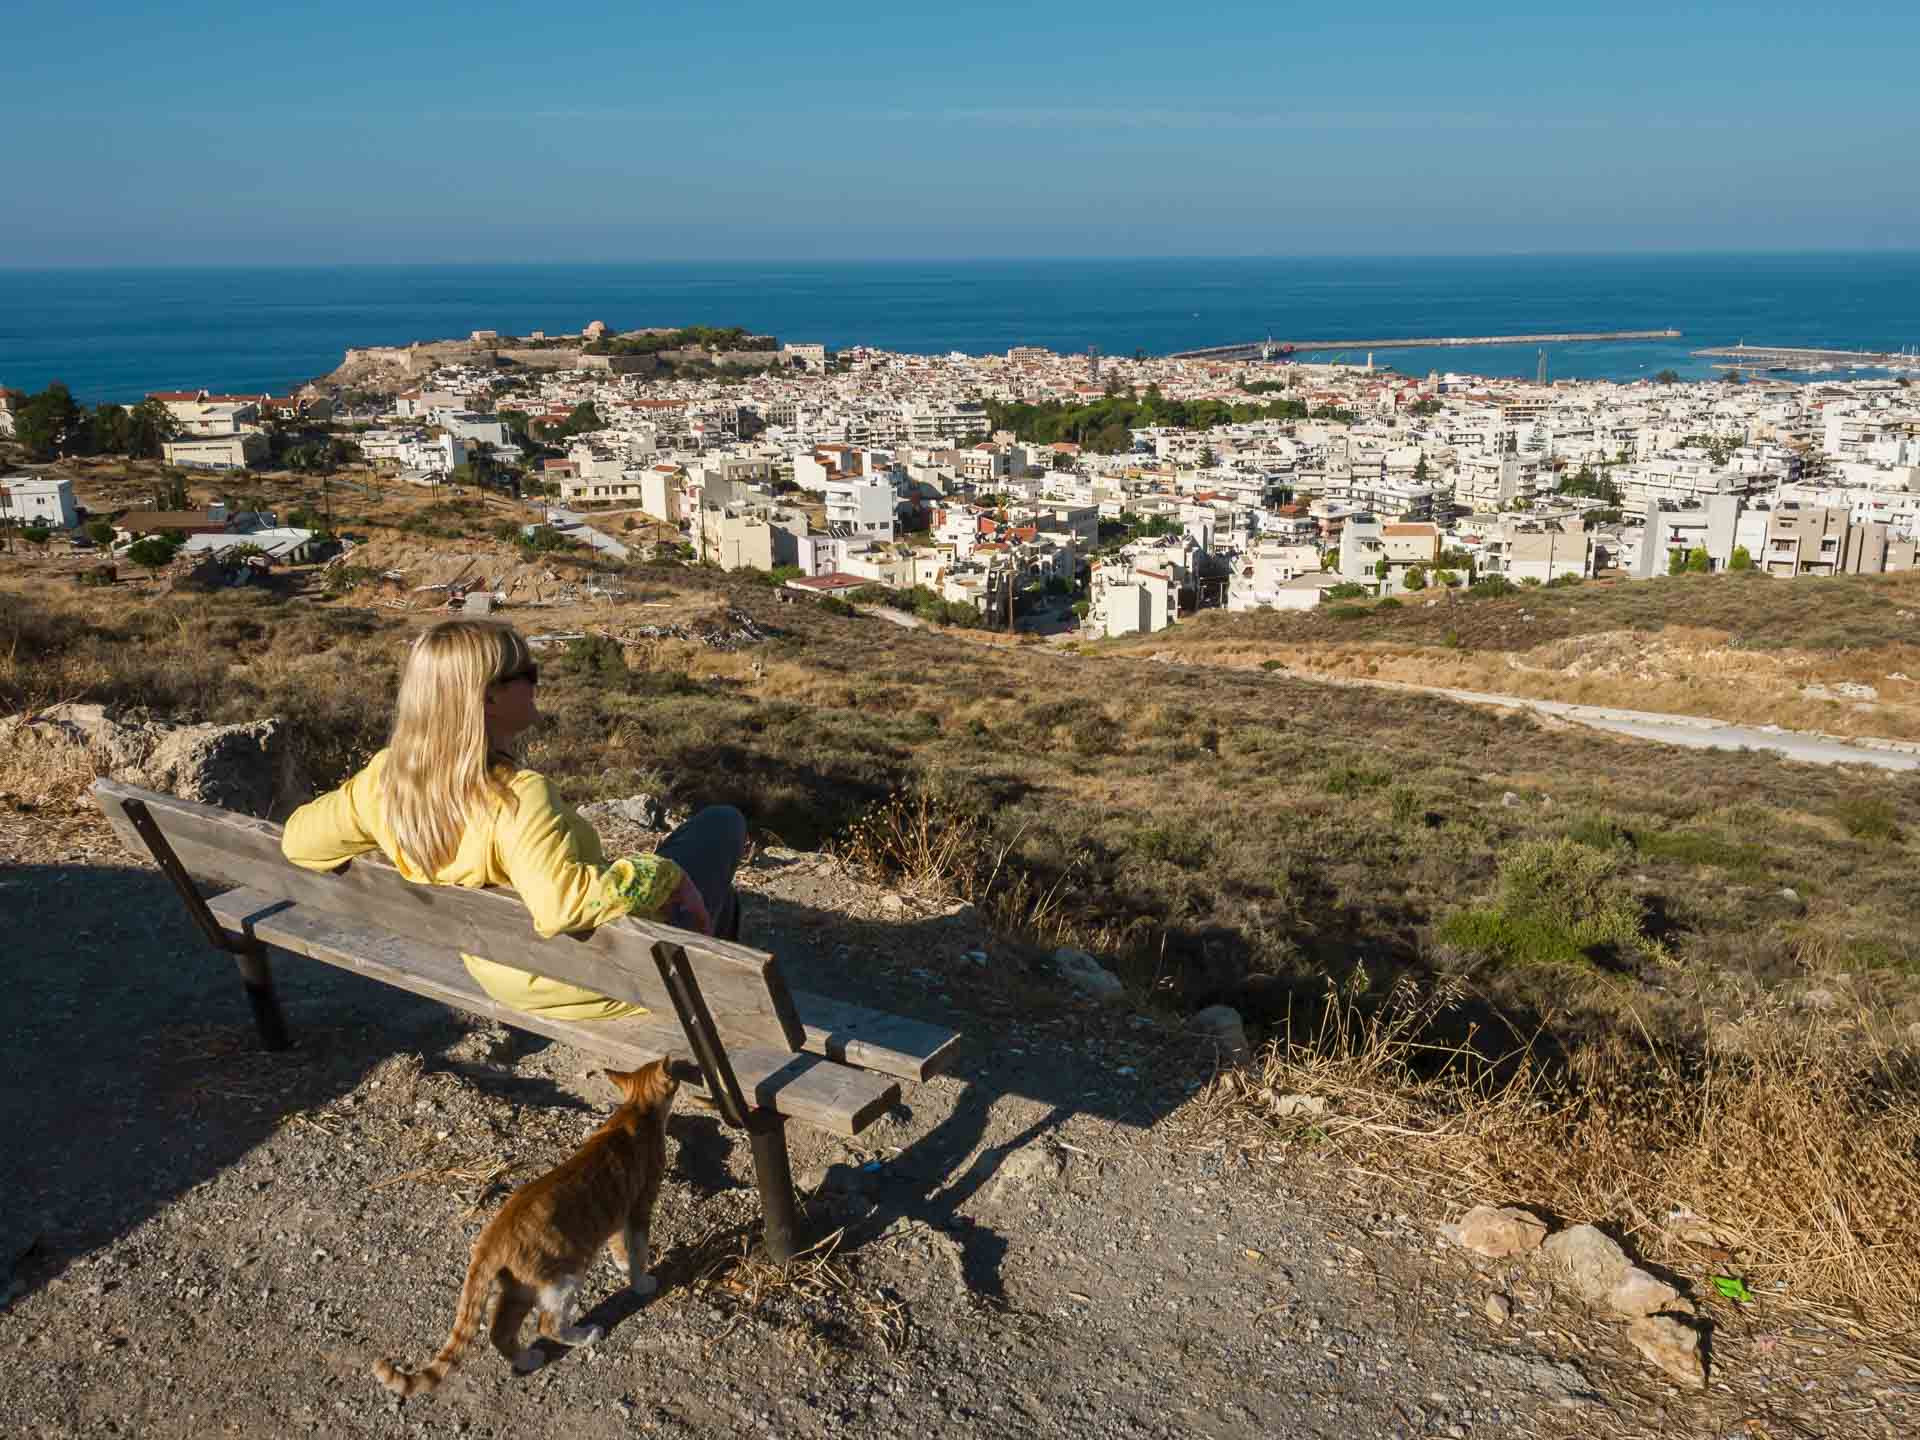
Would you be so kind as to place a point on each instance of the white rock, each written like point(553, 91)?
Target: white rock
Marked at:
point(1509, 800)
point(1089, 976)
point(1497, 1232)
point(247, 767)
point(1222, 1026)
point(1672, 1344)
point(1499, 1309)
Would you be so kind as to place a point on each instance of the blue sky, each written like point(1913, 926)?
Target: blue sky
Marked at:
point(270, 132)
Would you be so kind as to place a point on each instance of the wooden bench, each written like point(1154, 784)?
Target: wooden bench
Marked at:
point(764, 1053)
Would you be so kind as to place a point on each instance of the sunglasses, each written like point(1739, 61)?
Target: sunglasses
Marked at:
point(529, 673)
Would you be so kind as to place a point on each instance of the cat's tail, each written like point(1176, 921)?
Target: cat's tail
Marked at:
point(466, 1324)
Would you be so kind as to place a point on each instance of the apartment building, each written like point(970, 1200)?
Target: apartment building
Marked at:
point(28, 500)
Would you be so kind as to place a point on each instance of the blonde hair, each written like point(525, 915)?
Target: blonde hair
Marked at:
point(439, 768)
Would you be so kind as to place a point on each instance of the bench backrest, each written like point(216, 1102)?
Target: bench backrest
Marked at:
point(615, 960)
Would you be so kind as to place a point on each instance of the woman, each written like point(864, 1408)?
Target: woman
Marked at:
point(448, 804)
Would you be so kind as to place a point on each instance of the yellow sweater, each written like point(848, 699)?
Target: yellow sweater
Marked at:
point(542, 848)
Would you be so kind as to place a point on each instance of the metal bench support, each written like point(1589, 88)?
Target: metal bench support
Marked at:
point(249, 955)
point(766, 1129)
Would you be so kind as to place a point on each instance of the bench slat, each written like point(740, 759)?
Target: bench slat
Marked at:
point(802, 1087)
point(615, 960)
point(873, 1039)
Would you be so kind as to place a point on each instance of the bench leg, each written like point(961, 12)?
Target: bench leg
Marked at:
point(257, 976)
point(767, 1134)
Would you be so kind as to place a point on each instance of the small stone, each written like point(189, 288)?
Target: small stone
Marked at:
point(1672, 1344)
point(892, 904)
point(1035, 1164)
point(1222, 1027)
point(1089, 976)
point(1497, 1232)
point(1787, 892)
point(1590, 1259)
point(1300, 1107)
point(1639, 1293)
point(1509, 800)
point(1499, 1309)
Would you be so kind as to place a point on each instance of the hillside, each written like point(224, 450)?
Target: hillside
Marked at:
point(1840, 656)
point(1606, 977)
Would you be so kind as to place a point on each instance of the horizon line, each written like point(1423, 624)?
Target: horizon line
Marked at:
point(762, 261)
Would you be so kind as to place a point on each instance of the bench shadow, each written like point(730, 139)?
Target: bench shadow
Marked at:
point(138, 1075)
point(135, 1073)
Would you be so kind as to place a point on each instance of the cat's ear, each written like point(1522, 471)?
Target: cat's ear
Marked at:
point(622, 1079)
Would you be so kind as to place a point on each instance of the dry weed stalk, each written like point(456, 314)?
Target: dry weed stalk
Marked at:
point(1792, 1143)
point(725, 1259)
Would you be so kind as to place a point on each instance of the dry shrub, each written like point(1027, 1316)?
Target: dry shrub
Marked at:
point(1791, 1142)
point(44, 769)
point(923, 846)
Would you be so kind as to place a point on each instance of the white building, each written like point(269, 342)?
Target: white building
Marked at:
point(29, 501)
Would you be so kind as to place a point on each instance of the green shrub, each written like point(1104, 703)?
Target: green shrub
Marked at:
point(598, 656)
point(1347, 612)
point(1696, 847)
point(1177, 842)
point(1602, 832)
point(1869, 817)
point(1273, 664)
point(1560, 902)
point(1492, 587)
point(834, 605)
point(1388, 604)
point(1347, 777)
point(1348, 590)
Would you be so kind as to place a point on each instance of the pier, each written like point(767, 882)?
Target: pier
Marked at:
point(1266, 349)
point(1789, 357)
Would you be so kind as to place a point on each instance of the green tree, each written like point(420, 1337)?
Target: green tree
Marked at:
point(100, 532)
point(171, 493)
point(152, 552)
point(1676, 561)
point(37, 536)
point(1416, 578)
point(1741, 559)
point(149, 426)
point(1667, 377)
point(1420, 468)
point(1698, 561)
point(50, 423)
point(112, 429)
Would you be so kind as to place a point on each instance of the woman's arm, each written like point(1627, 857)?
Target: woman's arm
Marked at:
point(535, 849)
point(337, 826)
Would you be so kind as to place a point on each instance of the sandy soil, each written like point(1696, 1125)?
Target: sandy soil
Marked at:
point(205, 1239)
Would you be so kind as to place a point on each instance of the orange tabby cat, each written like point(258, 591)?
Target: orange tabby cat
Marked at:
point(540, 1245)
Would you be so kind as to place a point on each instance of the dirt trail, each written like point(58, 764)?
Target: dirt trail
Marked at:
point(1694, 731)
point(1043, 1243)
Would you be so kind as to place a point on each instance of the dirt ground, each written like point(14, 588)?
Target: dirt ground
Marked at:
point(206, 1239)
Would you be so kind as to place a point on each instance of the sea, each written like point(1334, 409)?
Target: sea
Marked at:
point(115, 334)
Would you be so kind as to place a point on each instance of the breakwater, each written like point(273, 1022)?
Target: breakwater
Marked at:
point(1263, 348)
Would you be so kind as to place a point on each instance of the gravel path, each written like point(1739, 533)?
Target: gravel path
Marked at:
point(210, 1239)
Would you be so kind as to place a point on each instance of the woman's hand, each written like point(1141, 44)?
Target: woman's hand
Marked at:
point(688, 908)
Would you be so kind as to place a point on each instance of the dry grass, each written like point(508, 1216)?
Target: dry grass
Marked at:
point(815, 1296)
point(1784, 1150)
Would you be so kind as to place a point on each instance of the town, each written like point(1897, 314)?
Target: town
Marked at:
point(1077, 495)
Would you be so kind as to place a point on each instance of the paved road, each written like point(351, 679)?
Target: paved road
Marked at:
point(575, 527)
